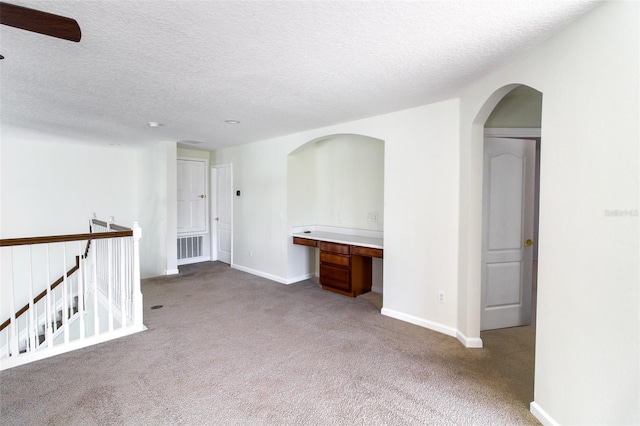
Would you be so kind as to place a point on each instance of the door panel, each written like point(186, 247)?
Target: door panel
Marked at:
point(500, 291)
point(508, 212)
point(192, 206)
point(505, 205)
point(223, 221)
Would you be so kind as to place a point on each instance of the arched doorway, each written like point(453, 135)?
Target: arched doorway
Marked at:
point(509, 155)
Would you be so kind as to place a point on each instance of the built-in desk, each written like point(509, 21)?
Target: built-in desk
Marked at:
point(345, 259)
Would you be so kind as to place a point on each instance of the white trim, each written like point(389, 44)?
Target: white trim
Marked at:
point(190, 260)
point(213, 208)
point(300, 278)
point(440, 328)
point(469, 342)
point(503, 132)
point(260, 274)
point(542, 415)
point(28, 357)
point(213, 194)
point(171, 272)
point(273, 277)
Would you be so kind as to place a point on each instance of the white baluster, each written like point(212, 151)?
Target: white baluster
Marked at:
point(122, 283)
point(65, 295)
point(50, 310)
point(81, 290)
point(13, 333)
point(91, 225)
point(137, 294)
point(94, 262)
point(110, 281)
point(31, 322)
point(129, 276)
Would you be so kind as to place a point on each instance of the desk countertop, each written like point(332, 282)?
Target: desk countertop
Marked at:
point(332, 237)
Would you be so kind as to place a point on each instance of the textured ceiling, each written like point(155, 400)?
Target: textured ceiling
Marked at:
point(277, 66)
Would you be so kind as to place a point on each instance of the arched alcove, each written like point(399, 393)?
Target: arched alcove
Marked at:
point(337, 181)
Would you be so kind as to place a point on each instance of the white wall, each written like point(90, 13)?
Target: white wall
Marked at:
point(588, 325)
point(350, 182)
point(53, 188)
point(420, 208)
point(302, 208)
point(337, 181)
point(158, 209)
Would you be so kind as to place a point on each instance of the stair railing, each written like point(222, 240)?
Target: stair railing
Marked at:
point(97, 299)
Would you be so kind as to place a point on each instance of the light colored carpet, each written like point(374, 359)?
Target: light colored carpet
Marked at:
point(229, 348)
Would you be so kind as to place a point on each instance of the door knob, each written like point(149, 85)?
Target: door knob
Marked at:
point(217, 218)
point(202, 196)
point(528, 243)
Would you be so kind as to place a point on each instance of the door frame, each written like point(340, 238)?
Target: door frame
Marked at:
point(206, 234)
point(531, 134)
point(529, 226)
point(207, 213)
point(213, 195)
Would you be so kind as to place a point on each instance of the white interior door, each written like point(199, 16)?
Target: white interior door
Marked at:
point(507, 236)
point(192, 205)
point(223, 212)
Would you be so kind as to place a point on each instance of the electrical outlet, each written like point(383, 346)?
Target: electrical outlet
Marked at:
point(372, 217)
point(250, 253)
point(441, 297)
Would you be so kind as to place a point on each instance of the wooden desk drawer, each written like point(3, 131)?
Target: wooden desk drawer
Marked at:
point(366, 251)
point(305, 242)
point(334, 247)
point(335, 277)
point(334, 259)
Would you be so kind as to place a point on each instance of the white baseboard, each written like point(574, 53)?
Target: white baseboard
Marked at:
point(191, 260)
point(275, 278)
point(440, 328)
point(171, 272)
point(542, 415)
point(469, 342)
point(300, 278)
point(260, 274)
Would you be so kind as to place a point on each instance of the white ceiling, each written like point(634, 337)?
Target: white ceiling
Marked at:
point(277, 66)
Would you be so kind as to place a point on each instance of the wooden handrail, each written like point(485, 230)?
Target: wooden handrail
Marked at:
point(64, 238)
point(121, 232)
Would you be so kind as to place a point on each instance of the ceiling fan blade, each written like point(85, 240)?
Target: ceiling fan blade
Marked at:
point(39, 22)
